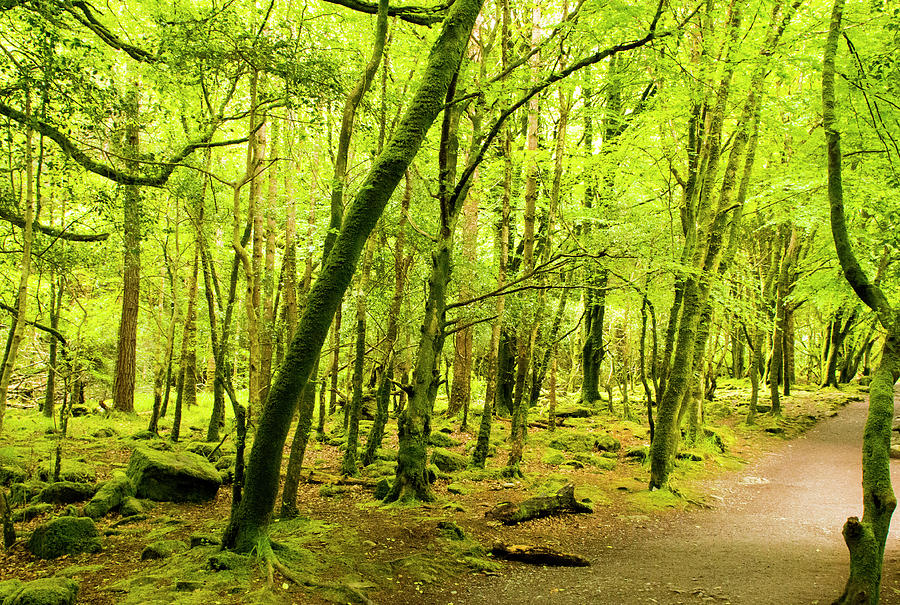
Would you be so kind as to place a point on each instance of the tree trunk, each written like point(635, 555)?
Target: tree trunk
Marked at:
point(18, 321)
point(126, 354)
point(249, 520)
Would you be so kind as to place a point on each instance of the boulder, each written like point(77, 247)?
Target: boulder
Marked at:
point(64, 536)
point(210, 451)
point(46, 591)
point(607, 443)
point(172, 476)
point(71, 470)
point(130, 507)
point(66, 492)
point(110, 495)
point(162, 549)
point(448, 461)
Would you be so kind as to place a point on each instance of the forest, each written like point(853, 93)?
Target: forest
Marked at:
point(361, 301)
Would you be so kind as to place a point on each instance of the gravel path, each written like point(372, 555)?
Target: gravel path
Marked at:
point(773, 538)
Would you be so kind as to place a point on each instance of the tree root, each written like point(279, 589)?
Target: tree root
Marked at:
point(272, 564)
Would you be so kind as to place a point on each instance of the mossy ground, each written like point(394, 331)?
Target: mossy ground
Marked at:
point(350, 543)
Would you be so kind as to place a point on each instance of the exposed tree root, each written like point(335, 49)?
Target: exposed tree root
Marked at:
point(537, 555)
point(266, 552)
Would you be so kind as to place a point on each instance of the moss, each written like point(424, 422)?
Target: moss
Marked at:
point(64, 536)
point(553, 457)
point(46, 591)
point(72, 470)
point(649, 501)
point(162, 549)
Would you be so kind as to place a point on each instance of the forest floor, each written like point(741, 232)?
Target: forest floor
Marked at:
point(771, 536)
point(767, 532)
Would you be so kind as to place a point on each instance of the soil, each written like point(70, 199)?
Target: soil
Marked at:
point(767, 533)
point(773, 537)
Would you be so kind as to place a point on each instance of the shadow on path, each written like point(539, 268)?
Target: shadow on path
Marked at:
point(772, 538)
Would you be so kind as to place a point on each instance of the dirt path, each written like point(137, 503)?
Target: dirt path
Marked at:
point(773, 539)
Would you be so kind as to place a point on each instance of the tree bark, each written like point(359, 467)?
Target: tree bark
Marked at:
point(126, 354)
point(252, 515)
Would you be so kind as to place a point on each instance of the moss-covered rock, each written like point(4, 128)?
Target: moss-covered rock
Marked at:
point(211, 451)
point(66, 492)
point(382, 489)
point(110, 495)
point(23, 493)
point(130, 507)
point(450, 530)
point(639, 453)
point(204, 540)
point(439, 439)
point(572, 441)
point(64, 536)
point(162, 549)
point(71, 470)
point(607, 443)
point(172, 476)
point(448, 461)
point(46, 591)
point(553, 457)
point(31, 512)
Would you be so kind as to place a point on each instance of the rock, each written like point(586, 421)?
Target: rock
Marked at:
point(78, 410)
point(456, 488)
point(66, 492)
point(382, 489)
point(607, 443)
point(226, 560)
point(448, 461)
point(450, 530)
point(204, 540)
point(439, 439)
point(574, 412)
point(110, 495)
point(46, 591)
point(72, 470)
point(23, 493)
point(553, 457)
point(895, 451)
point(574, 464)
point(10, 473)
point(639, 453)
point(162, 549)
point(572, 442)
point(225, 462)
point(188, 585)
point(210, 451)
point(172, 476)
point(130, 507)
point(31, 512)
point(104, 433)
point(64, 536)
point(775, 430)
point(144, 435)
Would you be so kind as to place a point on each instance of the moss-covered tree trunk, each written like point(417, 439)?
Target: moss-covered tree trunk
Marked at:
point(18, 321)
point(865, 538)
point(253, 514)
point(126, 351)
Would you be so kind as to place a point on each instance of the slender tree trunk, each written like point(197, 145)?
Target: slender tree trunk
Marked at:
point(126, 355)
point(18, 321)
point(348, 463)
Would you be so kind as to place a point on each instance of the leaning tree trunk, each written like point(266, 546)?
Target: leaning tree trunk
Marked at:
point(249, 520)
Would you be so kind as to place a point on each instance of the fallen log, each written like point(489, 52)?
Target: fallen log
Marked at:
point(537, 555)
point(564, 501)
point(317, 478)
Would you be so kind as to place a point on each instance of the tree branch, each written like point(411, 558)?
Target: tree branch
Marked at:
point(8, 215)
point(124, 178)
point(418, 15)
